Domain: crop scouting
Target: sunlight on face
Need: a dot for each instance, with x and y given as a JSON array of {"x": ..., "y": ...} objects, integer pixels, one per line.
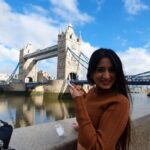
[{"x": 104, "y": 75}]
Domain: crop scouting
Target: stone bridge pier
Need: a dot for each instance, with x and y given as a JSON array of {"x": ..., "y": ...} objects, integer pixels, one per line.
[{"x": 27, "y": 68}]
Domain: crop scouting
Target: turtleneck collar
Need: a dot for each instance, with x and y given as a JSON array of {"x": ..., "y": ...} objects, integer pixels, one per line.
[{"x": 102, "y": 92}]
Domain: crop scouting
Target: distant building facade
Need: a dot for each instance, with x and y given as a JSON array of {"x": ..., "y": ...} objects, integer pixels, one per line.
[
  {"x": 4, "y": 77},
  {"x": 43, "y": 76}
]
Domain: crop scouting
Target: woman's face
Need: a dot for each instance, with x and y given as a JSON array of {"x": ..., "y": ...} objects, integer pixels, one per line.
[{"x": 104, "y": 75}]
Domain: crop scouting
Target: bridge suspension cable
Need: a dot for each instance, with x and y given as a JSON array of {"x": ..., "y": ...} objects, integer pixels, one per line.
[
  {"x": 79, "y": 59},
  {"x": 140, "y": 76},
  {"x": 87, "y": 59},
  {"x": 147, "y": 72},
  {"x": 13, "y": 73}
]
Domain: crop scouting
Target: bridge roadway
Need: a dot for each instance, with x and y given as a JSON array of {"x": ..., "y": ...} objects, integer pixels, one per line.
[
  {"x": 81, "y": 82},
  {"x": 136, "y": 82},
  {"x": 34, "y": 84},
  {"x": 145, "y": 76},
  {"x": 48, "y": 52}
]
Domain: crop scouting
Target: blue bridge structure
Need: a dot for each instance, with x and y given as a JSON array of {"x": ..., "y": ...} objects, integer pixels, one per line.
[{"x": 137, "y": 79}]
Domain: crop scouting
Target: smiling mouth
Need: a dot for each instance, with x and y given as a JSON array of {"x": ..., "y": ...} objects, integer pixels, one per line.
[{"x": 106, "y": 82}]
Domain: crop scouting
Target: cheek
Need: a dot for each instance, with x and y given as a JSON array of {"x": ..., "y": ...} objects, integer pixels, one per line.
[
  {"x": 114, "y": 77},
  {"x": 96, "y": 76}
]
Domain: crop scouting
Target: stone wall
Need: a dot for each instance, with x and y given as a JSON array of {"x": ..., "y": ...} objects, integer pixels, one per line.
[
  {"x": 15, "y": 87},
  {"x": 45, "y": 137},
  {"x": 57, "y": 86},
  {"x": 141, "y": 134},
  {"x": 54, "y": 86}
]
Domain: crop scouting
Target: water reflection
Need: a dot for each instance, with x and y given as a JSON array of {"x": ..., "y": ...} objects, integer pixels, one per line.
[
  {"x": 29, "y": 110},
  {"x": 21, "y": 110}
]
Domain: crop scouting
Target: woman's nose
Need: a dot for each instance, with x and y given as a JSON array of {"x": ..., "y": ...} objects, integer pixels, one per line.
[{"x": 106, "y": 74}]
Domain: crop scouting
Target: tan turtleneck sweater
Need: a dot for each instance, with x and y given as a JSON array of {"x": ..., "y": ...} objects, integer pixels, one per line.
[{"x": 102, "y": 117}]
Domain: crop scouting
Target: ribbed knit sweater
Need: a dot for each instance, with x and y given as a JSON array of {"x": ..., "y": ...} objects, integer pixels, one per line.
[{"x": 102, "y": 118}]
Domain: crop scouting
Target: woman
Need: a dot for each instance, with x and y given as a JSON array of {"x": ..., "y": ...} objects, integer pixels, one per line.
[{"x": 103, "y": 113}]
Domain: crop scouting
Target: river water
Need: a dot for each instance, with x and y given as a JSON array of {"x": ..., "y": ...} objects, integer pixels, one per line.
[{"x": 21, "y": 110}]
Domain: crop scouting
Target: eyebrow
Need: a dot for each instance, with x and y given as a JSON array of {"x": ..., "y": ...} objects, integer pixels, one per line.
[
  {"x": 104, "y": 67},
  {"x": 109, "y": 68}
]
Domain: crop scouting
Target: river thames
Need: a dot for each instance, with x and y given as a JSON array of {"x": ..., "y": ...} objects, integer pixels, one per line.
[{"x": 23, "y": 110}]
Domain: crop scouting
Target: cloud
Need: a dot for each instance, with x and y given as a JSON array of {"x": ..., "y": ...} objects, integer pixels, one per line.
[
  {"x": 37, "y": 9},
  {"x": 87, "y": 48},
  {"x": 8, "y": 59},
  {"x": 36, "y": 26},
  {"x": 134, "y": 6},
  {"x": 99, "y": 4},
  {"x": 123, "y": 42},
  {"x": 147, "y": 45},
  {"x": 135, "y": 60},
  {"x": 7, "y": 68},
  {"x": 18, "y": 29},
  {"x": 6, "y": 54},
  {"x": 33, "y": 25},
  {"x": 69, "y": 12}
]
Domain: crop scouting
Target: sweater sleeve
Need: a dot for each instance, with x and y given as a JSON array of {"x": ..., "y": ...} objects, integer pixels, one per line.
[{"x": 111, "y": 125}]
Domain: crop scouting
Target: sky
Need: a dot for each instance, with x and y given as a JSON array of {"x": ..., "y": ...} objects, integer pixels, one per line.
[{"x": 122, "y": 25}]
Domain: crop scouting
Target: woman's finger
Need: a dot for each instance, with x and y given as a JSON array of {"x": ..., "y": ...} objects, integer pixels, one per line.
[
  {"x": 75, "y": 92},
  {"x": 75, "y": 126}
]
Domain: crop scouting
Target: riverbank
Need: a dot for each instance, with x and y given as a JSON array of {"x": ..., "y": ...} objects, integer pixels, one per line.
[
  {"x": 52, "y": 86},
  {"x": 45, "y": 137}
]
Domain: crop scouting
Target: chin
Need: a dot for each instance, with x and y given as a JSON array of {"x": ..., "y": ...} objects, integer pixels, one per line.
[{"x": 105, "y": 87}]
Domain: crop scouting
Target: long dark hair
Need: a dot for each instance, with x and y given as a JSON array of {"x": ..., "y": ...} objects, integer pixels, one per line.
[{"x": 120, "y": 86}]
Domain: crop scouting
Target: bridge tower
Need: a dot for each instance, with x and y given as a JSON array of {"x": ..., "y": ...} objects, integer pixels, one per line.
[
  {"x": 27, "y": 68},
  {"x": 68, "y": 66}
]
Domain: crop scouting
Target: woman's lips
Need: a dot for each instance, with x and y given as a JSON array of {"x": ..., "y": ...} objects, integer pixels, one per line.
[{"x": 105, "y": 82}]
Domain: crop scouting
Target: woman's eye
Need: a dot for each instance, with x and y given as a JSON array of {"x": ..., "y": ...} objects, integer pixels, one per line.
[
  {"x": 111, "y": 70},
  {"x": 100, "y": 69}
]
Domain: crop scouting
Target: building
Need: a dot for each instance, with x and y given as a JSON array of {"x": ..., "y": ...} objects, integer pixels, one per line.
[
  {"x": 43, "y": 76},
  {"x": 3, "y": 77}
]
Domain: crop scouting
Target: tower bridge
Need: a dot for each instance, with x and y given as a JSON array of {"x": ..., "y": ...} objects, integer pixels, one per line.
[
  {"x": 70, "y": 58},
  {"x": 67, "y": 67}
]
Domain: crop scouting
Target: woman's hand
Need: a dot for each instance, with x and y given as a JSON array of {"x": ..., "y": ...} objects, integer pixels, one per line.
[
  {"x": 75, "y": 126},
  {"x": 76, "y": 90}
]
